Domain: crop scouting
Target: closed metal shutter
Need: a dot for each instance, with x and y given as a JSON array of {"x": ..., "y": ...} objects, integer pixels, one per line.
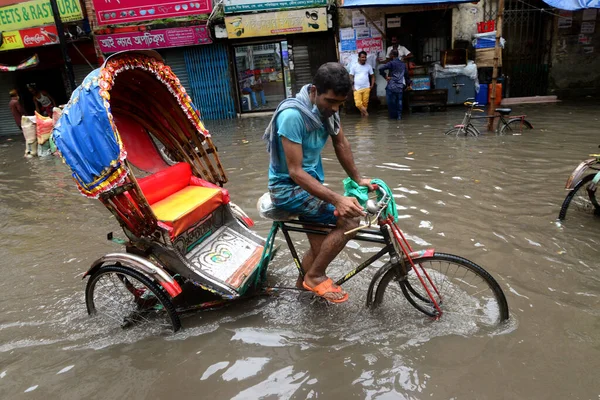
[
  {"x": 210, "y": 81},
  {"x": 302, "y": 72},
  {"x": 175, "y": 59},
  {"x": 80, "y": 72},
  {"x": 7, "y": 122}
]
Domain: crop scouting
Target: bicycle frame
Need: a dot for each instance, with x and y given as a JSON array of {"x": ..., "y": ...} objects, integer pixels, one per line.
[{"x": 389, "y": 234}]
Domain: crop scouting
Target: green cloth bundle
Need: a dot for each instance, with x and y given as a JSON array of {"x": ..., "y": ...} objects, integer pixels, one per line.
[{"x": 361, "y": 193}]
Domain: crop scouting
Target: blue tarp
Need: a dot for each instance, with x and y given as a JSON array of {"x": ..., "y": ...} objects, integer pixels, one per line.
[
  {"x": 573, "y": 4},
  {"x": 85, "y": 137},
  {"x": 383, "y": 3}
]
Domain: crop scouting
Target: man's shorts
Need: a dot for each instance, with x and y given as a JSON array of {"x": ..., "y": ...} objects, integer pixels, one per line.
[
  {"x": 309, "y": 208},
  {"x": 361, "y": 97}
]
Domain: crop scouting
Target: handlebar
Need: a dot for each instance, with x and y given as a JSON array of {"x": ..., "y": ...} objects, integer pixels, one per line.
[{"x": 373, "y": 207}]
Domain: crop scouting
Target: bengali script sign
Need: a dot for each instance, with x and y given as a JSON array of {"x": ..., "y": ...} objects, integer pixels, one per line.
[
  {"x": 33, "y": 37},
  {"x": 232, "y": 6},
  {"x": 277, "y": 23},
  {"x": 155, "y": 39},
  {"x": 37, "y": 13},
  {"x": 369, "y": 45},
  {"x": 122, "y": 11}
]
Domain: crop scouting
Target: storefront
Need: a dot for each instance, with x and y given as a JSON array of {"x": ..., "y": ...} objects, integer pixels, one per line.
[
  {"x": 424, "y": 29},
  {"x": 276, "y": 53},
  {"x": 28, "y": 35}
]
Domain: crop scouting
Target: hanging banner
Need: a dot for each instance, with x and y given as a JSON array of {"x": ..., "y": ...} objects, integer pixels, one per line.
[
  {"x": 31, "y": 62},
  {"x": 123, "y": 11},
  {"x": 37, "y": 13},
  {"x": 233, "y": 6},
  {"x": 277, "y": 23},
  {"x": 33, "y": 37},
  {"x": 155, "y": 39}
]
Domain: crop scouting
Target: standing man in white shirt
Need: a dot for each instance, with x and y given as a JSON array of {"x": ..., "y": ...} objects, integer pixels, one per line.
[
  {"x": 363, "y": 79},
  {"x": 403, "y": 52}
]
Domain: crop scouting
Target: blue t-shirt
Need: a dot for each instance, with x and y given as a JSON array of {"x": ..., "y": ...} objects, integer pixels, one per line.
[{"x": 289, "y": 123}]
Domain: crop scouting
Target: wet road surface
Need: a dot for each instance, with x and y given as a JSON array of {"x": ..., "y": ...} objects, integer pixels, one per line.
[{"x": 492, "y": 199}]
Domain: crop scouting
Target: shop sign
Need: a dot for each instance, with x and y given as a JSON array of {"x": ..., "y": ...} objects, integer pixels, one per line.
[
  {"x": 232, "y": 6},
  {"x": 155, "y": 39},
  {"x": 37, "y": 13},
  {"x": 369, "y": 45},
  {"x": 33, "y": 37},
  {"x": 277, "y": 23},
  {"x": 125, "y": 11}
]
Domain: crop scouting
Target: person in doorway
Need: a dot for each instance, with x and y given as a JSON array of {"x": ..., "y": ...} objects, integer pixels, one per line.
[
  {"x": 363, "y": 80},
  {"x": 403, "y": 52},
  {"x": 44, "y": 103},
  {"x": 397, "y": 79},
  {"x": 16, "y": 108},
  {"x": 295, "y": 137},
  {"x": 257, "y": 87}
]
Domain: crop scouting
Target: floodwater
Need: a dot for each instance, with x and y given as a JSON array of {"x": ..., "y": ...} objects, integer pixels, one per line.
[{"x": 492, "y": 199}]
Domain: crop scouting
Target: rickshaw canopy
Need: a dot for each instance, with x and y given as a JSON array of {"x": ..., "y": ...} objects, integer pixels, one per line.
[{"x": 88, "y": 136}]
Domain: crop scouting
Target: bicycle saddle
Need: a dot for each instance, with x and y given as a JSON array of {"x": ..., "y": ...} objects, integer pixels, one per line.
[
  {"x": 503, "y": 111},
  {"x": 267, "y": 210}
]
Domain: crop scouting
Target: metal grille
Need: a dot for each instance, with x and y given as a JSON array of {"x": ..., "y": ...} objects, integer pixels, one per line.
[
  {"x": 210, "y": 83},
  {"x": 431, "y": 48},
  {"x": 526, "y": 56},
  {"x": 490, "y": 9}
]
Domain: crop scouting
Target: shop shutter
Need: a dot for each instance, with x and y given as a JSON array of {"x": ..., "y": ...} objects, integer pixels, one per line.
[
  {"x": 175, "y": 59},
  {"x": 302, "y": 71},
  {"x": 7, "y": 123},
  {"x": 81, "y": 71},
  {"x": 210, "y": 81}
]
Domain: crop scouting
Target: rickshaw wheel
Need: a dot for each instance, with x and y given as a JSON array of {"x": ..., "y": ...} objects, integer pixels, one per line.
[{"x": 127, "y": 298}]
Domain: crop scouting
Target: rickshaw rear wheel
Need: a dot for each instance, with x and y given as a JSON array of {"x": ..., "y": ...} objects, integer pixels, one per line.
[{"x": 128, "y": 298}]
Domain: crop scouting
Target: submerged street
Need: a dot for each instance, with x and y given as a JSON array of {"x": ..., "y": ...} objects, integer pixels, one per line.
[{"x": 492, "y": 199}]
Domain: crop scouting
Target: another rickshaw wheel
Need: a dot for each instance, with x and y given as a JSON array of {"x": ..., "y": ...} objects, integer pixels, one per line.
[{"x": 127, "y": 298}]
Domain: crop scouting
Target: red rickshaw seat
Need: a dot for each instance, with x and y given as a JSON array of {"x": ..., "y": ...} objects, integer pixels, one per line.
[{"x": 179, "y": 199}]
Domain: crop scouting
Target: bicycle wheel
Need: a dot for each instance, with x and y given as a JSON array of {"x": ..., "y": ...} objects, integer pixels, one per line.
[
  {"x": 469, "y": 130},
  {"x": 516, "y": 125},
  {"x": 580, "y": 199},
  {"x": 127, "y": 298},
  {"x": 467, "y": 293}
]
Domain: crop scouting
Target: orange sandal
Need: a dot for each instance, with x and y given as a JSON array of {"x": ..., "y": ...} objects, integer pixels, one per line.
[{"x": 325, "y": 287}]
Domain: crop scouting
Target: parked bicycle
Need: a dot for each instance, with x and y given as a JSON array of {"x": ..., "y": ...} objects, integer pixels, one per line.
[
  {"x": 582, "y": 186},
  {"x": 507, "y": 125}
]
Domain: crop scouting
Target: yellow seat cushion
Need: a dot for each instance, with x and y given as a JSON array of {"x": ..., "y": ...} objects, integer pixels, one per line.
[{"x": 184, "y": 208}]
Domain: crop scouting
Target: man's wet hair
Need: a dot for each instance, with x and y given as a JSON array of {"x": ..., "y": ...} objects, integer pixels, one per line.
[
  {"x": 362, "y": 52},
  {"x": 332, "y": 76},
  {"x": 394, "y": 53}
]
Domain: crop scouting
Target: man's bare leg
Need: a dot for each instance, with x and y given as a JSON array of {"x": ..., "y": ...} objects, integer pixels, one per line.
[
  {"x": 315, "y": 242},
  {"x": 331, "y": 246}
]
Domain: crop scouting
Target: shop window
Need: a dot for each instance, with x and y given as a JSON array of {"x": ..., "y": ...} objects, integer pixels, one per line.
[{"x": 260, "y": 75}]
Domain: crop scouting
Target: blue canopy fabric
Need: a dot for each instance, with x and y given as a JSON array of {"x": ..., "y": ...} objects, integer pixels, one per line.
[
  {"x": 383, "y": 3},
  {"x": 573, "y": 5},
  {"x": 87, "y": 139}
]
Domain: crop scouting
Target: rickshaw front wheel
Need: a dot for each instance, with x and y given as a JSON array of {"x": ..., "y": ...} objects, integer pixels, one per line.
[{"x": 123, "y": 296}]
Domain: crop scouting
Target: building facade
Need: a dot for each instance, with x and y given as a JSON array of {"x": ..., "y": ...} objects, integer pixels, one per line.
[{"x": 29, "y": 33}]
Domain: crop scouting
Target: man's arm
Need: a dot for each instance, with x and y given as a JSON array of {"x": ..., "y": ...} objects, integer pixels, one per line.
[
  {"x": 347, "y": 207},
  {"x": 343, "y": 152},
  {"x": 372, "y": 78},
  {"x": 383, "y": 68}
]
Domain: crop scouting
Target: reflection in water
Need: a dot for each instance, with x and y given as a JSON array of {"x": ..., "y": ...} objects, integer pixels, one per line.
[{"x": 490, "y": 199}]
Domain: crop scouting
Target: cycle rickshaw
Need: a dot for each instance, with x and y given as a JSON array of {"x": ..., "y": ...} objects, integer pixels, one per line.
[{"x": 133, "y": 139}]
